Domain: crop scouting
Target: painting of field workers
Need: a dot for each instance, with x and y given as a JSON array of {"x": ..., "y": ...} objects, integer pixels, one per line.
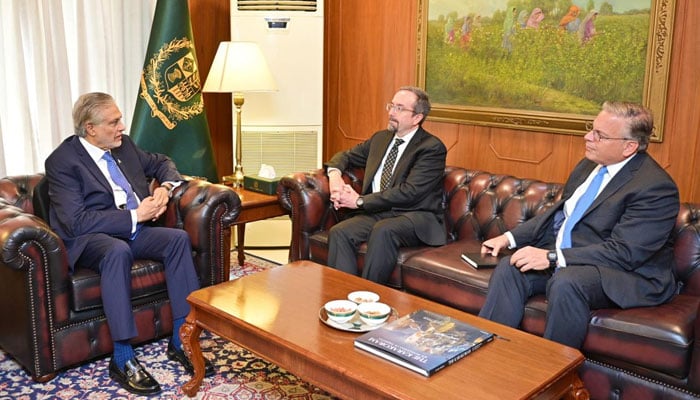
[{"x": 537, "y": 55}]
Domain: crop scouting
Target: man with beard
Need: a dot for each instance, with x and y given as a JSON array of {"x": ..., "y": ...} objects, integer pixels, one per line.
[{"x": 400, "y": 203}]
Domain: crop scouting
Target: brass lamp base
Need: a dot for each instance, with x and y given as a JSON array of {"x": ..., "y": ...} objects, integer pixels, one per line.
[{"x": 235, "y": 180}]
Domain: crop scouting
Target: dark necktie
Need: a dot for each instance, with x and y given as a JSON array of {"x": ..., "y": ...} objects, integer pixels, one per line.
[
  {"x": 581, "y": 206},
  {"x": 118, "y": 177},
  {"x": 389, "y": 164}
]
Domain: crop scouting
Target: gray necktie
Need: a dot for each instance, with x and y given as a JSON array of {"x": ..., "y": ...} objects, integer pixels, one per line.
[{"x": 389, "y": 164}]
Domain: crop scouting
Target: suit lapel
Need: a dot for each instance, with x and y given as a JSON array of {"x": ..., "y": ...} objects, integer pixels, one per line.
[
  {"x": 618, "y": 181},
  {"x": 578, "y": 177},
  {"x": 89, "y": 164},
  {"x": 405, "y": 160}
]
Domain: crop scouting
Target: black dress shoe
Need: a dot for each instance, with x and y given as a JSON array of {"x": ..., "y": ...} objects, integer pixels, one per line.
[
  {"x": 134, "y": 378},
  {"x": 180, "y": 356}
]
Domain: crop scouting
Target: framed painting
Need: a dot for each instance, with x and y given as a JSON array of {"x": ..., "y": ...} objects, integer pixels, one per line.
[{"x": 543, "y": 65}]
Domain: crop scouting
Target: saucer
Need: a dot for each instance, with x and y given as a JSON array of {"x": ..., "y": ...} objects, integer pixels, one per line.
[{"x": 355, "y": 324}]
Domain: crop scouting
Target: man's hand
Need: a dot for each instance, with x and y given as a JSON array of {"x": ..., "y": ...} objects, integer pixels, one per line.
[
  {"x": 151, "y": 208},
  {"x": 161, "y": 195},
  {"x": 347, "y": 198},
  {"x": 336, "y": 186},
  {"x": 494, "y": 245},
  {"x": 530, "y": 258}
]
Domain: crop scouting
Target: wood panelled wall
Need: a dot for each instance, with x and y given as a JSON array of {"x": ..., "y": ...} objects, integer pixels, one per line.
[
  {"x": 371, "y": 51},
  {"x": 211, "y": 24}
]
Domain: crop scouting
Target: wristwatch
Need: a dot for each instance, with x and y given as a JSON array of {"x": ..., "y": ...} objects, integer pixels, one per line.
[
  {"x": 360, "y": 202},
  {"x": 552, "y": 257}
]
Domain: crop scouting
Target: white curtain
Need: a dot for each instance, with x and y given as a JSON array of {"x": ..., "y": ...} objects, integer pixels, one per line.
[{"x": 52, "y": 52}]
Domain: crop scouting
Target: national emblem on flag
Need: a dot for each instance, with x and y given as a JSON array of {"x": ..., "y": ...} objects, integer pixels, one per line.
[{"x": 169, "y": 117}]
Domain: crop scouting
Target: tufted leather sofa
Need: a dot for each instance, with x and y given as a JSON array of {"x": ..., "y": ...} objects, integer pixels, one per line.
[
  {"x": 52, "y": 319},
  {"x": 639, "y": 353}
]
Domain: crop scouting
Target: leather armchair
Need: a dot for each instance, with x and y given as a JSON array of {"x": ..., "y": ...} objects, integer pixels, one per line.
[{"x": 51, "y": 319}]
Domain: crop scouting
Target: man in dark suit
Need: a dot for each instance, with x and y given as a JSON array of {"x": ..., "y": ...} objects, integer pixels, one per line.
[
  {"x": 401, "y": 200},
  {"x": 612, "y": 250},
  {"x": 100, "y": 206}
]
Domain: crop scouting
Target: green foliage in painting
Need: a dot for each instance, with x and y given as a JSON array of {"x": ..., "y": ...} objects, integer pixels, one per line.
[{"x": 539, "y": 69}]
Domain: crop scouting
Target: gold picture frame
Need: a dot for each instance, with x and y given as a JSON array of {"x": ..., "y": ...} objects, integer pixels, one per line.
[{"x": 655, "y": 65}]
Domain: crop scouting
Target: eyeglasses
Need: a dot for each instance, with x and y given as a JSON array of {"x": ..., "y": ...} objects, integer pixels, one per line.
[
  {"x": 598, "y": 136},
  {"x": 397, "y": 108}
]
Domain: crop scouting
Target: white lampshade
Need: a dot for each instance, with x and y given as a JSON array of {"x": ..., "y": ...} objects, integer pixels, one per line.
[{"x": 239, "y": 67}]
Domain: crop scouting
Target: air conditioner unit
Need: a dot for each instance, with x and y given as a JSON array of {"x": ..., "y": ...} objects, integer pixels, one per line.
[
  {"x": 290, "y": 34},
  {"x": 283, "y": 128}
]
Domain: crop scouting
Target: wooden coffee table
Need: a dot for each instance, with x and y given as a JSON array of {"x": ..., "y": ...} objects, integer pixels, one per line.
[{"x": 275, "y": 314}]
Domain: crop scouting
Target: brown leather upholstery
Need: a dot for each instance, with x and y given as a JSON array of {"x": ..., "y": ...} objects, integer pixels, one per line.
[
  {"x": 52, "y": 319},
  {"x": 636, "y": 353}
]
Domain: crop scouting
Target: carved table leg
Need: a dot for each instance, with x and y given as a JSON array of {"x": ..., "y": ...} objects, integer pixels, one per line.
[
  {"x": 578, "y": 391},
  {"x": 189, "y": 333}
]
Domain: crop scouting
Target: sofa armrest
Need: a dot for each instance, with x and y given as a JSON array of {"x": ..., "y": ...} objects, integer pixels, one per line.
[
  {"x": 33, "y": 283},
  {"x": 206, "y": 211},
  {"x": 307, "y": 198}
]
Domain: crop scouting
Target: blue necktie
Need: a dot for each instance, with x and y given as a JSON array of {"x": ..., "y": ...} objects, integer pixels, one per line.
[
  {"x": 118, "y": 177},
  {"x": 581, "y": 206}
]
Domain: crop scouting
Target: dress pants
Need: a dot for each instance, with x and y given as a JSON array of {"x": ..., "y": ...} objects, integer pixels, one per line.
[
  {"x": 384, "y": 233},
  {"x": 571, "y": 292},
  {"x": 112, "y": 258}
]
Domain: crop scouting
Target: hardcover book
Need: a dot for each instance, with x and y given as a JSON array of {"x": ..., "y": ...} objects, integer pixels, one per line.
[
  {"x": 477, "y": 261},
  {"x": 423, "y": 341}
]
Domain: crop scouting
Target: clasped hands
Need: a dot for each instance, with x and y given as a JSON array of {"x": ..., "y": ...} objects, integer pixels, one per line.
[
  {"x": 525, "y": 259},
  {"x": 342, "y": 194},
  {"x": 152, "y": 207}
]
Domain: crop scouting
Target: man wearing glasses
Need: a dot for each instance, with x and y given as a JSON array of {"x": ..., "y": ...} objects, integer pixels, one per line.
[
  {"x": 400, "y": 203},
  {"x": 606, "y": 244}
]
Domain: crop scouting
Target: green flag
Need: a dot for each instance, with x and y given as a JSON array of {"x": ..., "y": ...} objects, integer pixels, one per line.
[{"x": 169, "y": 116}]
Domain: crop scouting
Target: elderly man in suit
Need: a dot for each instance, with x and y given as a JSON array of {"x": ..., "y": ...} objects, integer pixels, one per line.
[
  {"x": 401, "y": 199},
  {"x": 606, "y": 244},
  {"x": 100, "y": 206}
]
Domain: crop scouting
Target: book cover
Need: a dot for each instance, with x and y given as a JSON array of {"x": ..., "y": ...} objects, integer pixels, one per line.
[
  {"x": 477, "y": 261},
  {"x": 423, "y": 341}
]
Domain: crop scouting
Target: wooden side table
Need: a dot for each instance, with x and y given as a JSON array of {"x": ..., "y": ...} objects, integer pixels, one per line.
[{"x": 254, "y": 207}]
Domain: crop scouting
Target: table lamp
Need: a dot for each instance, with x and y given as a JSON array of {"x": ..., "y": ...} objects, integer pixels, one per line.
[{"x": 239, "y": 67}]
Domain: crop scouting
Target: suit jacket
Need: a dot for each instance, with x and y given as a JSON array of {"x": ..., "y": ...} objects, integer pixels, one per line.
[
  {"x": 626, "y": 233},
  {"x": 416, "y": 187},
  {"x": 82, "y": 201}
]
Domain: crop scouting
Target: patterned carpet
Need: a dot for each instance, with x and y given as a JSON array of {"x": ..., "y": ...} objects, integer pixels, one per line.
[{"x": 240, "y": 374}]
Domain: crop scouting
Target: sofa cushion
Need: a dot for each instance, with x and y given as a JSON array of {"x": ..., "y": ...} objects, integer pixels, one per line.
[
  {"x": 147, "y": 279},
  {"x": 439, "y": 274},
  {"x": 640, "y": 339},
  {"x": 654, "y": 338}
]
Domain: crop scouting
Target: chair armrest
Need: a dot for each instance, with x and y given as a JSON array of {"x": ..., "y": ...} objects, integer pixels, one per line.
[
  {"x": 33, "y": 283},
  {"x": 206, "y": 211}
]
